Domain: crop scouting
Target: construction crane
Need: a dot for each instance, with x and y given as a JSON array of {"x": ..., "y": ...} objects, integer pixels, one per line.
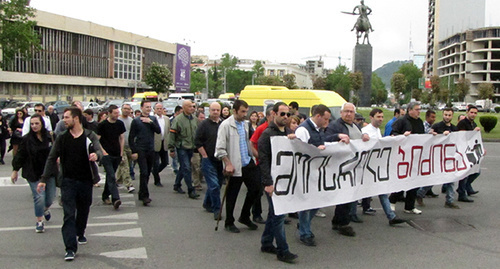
[{"x": 340, "y": 59}]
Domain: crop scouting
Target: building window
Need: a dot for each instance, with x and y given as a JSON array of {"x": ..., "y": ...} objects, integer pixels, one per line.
[{"x": 127, "y": 62}]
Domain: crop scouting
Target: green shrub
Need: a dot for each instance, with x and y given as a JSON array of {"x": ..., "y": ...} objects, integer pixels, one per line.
[
  {"x": 497, "y": 109},
  {"x": 488, "y": 122}
]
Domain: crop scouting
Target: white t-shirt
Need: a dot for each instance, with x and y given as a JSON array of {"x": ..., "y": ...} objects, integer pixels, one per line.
[{"x": 372, "y": 131}]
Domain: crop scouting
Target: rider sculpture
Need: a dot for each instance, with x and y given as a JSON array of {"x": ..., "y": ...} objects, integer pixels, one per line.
[{"x": 363, "y": 24}]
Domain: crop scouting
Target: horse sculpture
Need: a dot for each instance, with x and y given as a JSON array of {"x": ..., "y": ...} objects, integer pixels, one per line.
[{"x": 362, "y": 26}]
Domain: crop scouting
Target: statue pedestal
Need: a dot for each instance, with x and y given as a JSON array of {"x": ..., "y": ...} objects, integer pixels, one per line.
[{"x": 362, "y": 62}]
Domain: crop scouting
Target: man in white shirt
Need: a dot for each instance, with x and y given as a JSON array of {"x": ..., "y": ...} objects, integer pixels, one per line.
[
  {"x": 40, "y": 110},
  {"x": 373, "y": 130}
]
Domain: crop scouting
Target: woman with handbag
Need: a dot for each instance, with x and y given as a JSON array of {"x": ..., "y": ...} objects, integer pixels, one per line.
[
  {"x": 16, "y": 130},
  {"x": 4, "y": 134},
  {"x": 31, "y": 156}
]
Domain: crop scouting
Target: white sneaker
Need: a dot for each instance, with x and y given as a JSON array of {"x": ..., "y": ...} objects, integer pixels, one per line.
[
  {"x": 414, "y": 211},
  {"x": 131, "y": 189},
  {"x": 320, "y": 214},
  {"x": 393, "y": 207}
]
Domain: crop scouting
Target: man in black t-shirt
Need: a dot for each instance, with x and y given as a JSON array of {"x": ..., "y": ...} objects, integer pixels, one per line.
[
  {"x": 464, "y": 185},
  {"x": 446, "y": 127},
  {"x": 111, "y": 135}
]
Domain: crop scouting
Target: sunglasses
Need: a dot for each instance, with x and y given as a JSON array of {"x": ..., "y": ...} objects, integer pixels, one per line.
[
  {"x": 282, "y": 114},
  {"x": 38, "y": 110}
]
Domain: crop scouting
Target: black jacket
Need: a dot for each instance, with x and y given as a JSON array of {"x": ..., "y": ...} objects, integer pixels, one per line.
[
  {"x": 407, "y": 123},
  {"x": 335, "y": 128},
  {"x": 31, "y": 157},
  {"x": 265, "y": 152}
]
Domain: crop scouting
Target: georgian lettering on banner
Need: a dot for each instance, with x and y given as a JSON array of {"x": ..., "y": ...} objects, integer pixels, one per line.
[{"x": 306, "y": 177}]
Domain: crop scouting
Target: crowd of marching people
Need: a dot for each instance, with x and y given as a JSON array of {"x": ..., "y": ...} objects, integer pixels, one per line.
[{"x": 229, "y": 146}]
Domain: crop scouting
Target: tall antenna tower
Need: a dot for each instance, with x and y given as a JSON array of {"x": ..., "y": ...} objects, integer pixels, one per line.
[{"x": 411, "y": 51}]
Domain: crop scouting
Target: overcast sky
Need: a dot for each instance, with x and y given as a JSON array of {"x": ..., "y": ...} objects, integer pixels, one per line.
[{"x": 275, "y": 30}]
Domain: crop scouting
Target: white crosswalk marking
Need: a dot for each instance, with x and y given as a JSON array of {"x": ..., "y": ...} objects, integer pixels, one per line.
[
  {"x": 136, "y": 232},
  {"x": 134, "y": 253}
]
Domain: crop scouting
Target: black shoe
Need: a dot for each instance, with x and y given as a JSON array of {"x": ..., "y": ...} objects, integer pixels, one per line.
[
  {"x": 146, "y": 201},
  {"x": 117, "y": 204},
  {"x": 179, "y": 190},
  {"x": 431, "y": 195},
  {"x": 293, "y": 215},
  {"x": 259, "y": 220},
  {"x": 288, "y": 221},
  {"x": 288, "y": 257},
  {"x": 249, "y": 223},
  {"x": 308, "y": 241},
  {"x": 396, "y": 220},
  {"x": 472, "y": 192},
  {"x": 2, "y": 162},
  {"x": 270, "y": 249},
  {"x": 354, "y": 218},
  {"x": 312, "y": 235},
  {"x": 465, "y": 200},
  {"x": 344, "y": 230},
  {"x": 231, "y": 228},
  {"x": 193, "y": 195},
  {"x": 70, "y": 255},
  {"x": 159, "y": 184},
  {"x": 82, "y": 240}
]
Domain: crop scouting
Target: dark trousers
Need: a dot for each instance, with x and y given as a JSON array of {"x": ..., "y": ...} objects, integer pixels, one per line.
[
  {"x": 3, "y": 147},
  {"x": 257, "y": 205},
  {"x": 411, "y": 195},
  {"x": 274, "y": 230},
  {"x": 465, "y": 187},
  {"x": 341, "y": 216},
  {"x": 161, "y": 161},
  {"x": 252, "y": 182},
  {"x": 145, "y": 160},
  {"x": 110, "y": 164},
  {"x": 76, "y": 198}
]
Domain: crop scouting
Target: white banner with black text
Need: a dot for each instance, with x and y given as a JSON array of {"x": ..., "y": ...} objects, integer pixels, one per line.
[{"x": 306, "y": 177}]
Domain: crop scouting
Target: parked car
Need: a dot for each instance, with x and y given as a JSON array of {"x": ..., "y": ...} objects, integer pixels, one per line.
[
  {"x": 59, "y": 106},
  {"x": 170, "y": 105},
  {"x": 137, "y": 106},
  {"x": 96, "y": 108},
  {"x": 10, "y": 110},
  {"x": 116, "y": 102}
]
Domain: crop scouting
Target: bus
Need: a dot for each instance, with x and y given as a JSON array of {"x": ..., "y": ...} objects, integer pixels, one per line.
[
  {"x": 149, "y": 96},
  {"x": 259, "y": 97}
]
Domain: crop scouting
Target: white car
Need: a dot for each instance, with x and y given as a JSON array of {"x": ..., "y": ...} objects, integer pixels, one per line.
[
  {"x": 96, "y": 108},
  {"x": 10, "y": 110}
]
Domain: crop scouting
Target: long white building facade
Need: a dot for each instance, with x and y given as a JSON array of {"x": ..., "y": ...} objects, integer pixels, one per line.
[{"x": 82, "y": 60}]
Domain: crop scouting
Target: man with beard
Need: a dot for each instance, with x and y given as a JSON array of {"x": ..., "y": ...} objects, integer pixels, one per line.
[{"x": 77, "y": 148}]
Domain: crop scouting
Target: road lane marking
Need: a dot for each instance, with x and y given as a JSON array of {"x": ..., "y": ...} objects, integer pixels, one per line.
[{"x": 8, "y": 229}]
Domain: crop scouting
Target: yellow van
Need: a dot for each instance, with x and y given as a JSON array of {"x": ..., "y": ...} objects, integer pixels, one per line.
[
  {"x": 227, "y": 96},
  {"x": 259, "y": 96},
  {"x": 150, "y": 96}
]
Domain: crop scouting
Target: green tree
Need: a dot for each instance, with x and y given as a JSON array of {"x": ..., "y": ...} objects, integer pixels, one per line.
[
  {"x": 398, "y": 85},
  {"x": 159, "y": 77},
  {"x": 289, "y": 80},
  {"x": 17, "y": 33},
  {"x": 258, "y": 69},
  {"x": 356, "y": 84},
  {"x": 412, "y": 73},
  {"x": 228, "y": 62},
  {"x": 435, "y": 90},
  {"x": 269, "y": 80},
  {"x": 339, "y": 81},
  {"x": 417, "y": 94},
  {"x": 319, "y": 83},
  {"x": 379, "y": 92},
  {"x": 237, "y": 80},
  {"x": 463, "y": 88},
  {"x": 198, "y": 80},
  {"x": 485, "y": 91}
]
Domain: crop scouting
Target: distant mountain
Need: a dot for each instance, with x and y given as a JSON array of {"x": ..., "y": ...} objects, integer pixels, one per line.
[{"x": 385, "y": 72}]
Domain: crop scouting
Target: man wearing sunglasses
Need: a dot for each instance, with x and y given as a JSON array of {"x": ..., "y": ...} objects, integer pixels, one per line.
[{"x": 40, "y": 110}]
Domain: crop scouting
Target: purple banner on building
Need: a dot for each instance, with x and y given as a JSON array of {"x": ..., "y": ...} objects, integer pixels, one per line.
[{"x": 183, "y": 68}]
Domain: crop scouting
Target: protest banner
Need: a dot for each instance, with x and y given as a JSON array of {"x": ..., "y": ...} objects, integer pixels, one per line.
[{"x": 306, "y": 177}]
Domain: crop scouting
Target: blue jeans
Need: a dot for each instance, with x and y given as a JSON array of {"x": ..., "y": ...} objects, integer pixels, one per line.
[
  {"x": 275, "y": 229},
  {"x": 110, "y": 164},
  {"x": 175, "y": 164},
  {"x": 450, "y": 193},
  {"x": 44, "y": 199},
  {"x": 305, "y": 218},
  {"x": 213, "y": 175},
  {"x": 184, "y": 156},
  {"x": 386, "y": 206},
  {"x": 422, "y": 191},
  {"x": 76, "y": 196},
  {"x": 465, "y": 187}
]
